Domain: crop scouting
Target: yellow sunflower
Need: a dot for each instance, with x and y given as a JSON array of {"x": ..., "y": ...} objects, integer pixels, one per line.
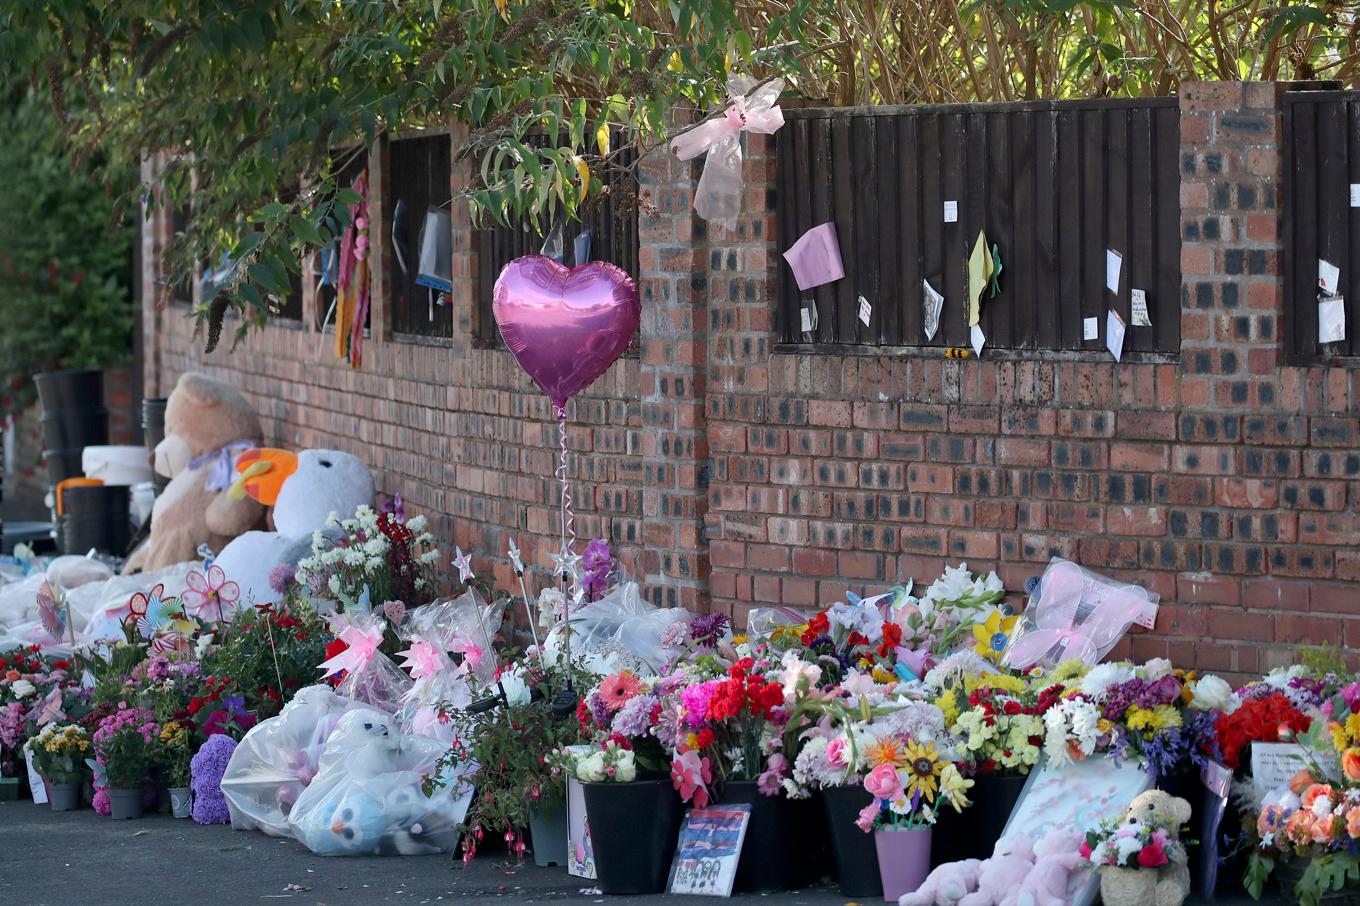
[
  {"x": 992, "y": 635},
  {"x": 923, "y": 767},
  {"x": 887, "y": 750}
]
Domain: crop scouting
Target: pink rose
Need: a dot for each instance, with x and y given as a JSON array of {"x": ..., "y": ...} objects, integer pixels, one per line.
[
  {"x": 1152, "y": 856},
  {"x": 883, "y": 782},
  {"x": 836, "y": 751},
  {"x": 1085, "y": 850},
  {"x": 865, "y": 821}
]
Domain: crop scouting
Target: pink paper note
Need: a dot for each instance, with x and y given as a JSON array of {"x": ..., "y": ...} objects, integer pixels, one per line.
[{"x": 816, "y": 257}]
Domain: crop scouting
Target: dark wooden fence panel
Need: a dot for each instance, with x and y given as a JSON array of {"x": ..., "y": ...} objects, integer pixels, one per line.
[
  {"x": 419, "y": 174},
  {"x": 1053, "y": 185},
  {"x": 612, "y": 220},
  {"x": 1322, "y": 163}
]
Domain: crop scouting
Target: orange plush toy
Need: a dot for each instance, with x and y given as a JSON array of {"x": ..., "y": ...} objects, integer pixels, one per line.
[{"x": 208, "y": 425}]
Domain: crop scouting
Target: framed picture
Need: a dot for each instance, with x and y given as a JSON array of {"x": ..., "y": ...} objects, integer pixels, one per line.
[
  {"x": 1075, "y": 797},
  {"x": 708, "y": 850},
  {"x": 580, "y": 855}
]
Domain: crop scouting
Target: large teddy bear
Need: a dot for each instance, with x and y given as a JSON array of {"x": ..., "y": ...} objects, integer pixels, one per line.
[
  {"x": 974, "y": 883},
  {"x": 207, "y": 425}
]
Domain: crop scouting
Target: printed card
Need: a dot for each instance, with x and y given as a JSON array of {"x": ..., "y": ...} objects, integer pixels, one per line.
[{"x": 709, "y": 849}]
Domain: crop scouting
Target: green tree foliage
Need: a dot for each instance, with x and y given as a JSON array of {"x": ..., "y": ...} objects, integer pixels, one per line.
[
  {"x": 243, "y": 103},
  {"x": 65, "y": 254}
]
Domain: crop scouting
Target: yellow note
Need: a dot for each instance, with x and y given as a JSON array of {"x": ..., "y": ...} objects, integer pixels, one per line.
[{"x": 979, "y": 272}]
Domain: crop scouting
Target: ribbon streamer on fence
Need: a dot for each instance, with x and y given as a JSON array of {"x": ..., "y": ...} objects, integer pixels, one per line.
[{"x": 568, "y": 518}]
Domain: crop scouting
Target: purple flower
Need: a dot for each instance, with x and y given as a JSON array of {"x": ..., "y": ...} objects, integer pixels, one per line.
[
  {"x": 281, "y": 577},
  {"x": 707, "y": 629},
  {"x": 1351, "y": 694},
  {"x": 695, "y": 700},
  {"x": 597, "y": 564},
  {"x": 599, "y": 712},
  {"x": 768, "y": 783},
  {"x": 635, "y": 717}
]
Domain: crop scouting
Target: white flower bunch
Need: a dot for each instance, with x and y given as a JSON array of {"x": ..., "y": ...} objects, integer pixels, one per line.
[{"x": 1071, "y": 729}]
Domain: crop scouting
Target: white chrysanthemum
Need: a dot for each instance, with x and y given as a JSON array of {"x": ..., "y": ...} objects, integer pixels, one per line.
[
  {"x": 1155, "y": 669},
  {"x": 417, "y": 524},
  {"x": 1097, "y": 682},
  {"x": 956, "y": 666}
]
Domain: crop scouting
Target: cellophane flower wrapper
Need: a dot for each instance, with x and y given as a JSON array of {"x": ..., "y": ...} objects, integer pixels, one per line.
[
  {"x": 454, "y": 623},
  {"x": 1076, "y": 613},
  {"x": 279, "y": 757},
  {"x": 368, "y": 797},
  {"x": 378, "y": 682},
  {"x": 619, "y": 631}
]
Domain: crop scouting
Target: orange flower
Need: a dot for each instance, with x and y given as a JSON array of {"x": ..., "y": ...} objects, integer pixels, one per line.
[
  {"x": 1350, "y": 763},
  {"x": 885, "y": 751},
  {"x": 1299, "y": 827},
  {"x": 1353, "y": 823},
  {"x": 12, "y": 675},
  {"x": 1301, "y": 781},
  {"x": 1316, "y": 792},
  {"x": 1323, "y": 830}
]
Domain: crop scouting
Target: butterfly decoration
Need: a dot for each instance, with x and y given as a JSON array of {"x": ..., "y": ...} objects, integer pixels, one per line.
[
  {"x": 101, "y": 774},
  {"x": 51, "y": 612},
  {"x": 362, "y": 604},
  {"x": 158, "y": 616}
]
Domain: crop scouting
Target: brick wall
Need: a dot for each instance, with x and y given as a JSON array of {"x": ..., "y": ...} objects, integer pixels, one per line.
[{"x": 733, "y": 475}]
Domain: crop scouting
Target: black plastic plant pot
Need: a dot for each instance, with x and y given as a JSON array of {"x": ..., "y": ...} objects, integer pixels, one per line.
[
  {"x": 96, "y": 517},
  {"x": 633, "y": 829},
  {"x": 75, "y": 388},
  {"x": 62, "y": 463},
  {"x": 853, "y": 850},
  {"x": 972, "y": 833},
  {"x": 782, "y": 849}
]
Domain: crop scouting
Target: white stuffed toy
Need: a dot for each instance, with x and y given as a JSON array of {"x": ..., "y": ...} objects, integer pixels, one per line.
[{"x": 304, "y": 489}]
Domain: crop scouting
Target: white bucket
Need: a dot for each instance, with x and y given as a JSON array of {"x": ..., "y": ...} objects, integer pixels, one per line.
[{"x": 117, "y": 465}]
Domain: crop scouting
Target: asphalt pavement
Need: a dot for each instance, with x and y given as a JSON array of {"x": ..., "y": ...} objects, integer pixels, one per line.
[{"x": 76, "y": 858}]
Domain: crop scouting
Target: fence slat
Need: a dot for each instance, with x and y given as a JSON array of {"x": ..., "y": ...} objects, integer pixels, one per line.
[
  {"x": 1353, "y": 178},
  {"x": 909, "y": 210},
  {"x": 1070, "y": 255},
  {"x": 932, "y": 225},
  {"x": 890, "y": 295},
  {"x": 1047, "y": 303},
  {"x": 821, "y": 174},
  {"x": 1334, "y": 205},
  {"x": 1305, "y": 239},
  {"x": 957, "y": 242},
  {"x": 1142, "y": 249},
  {"x": 843, "y": 203},
  {"x": 1164, "y": 302}
]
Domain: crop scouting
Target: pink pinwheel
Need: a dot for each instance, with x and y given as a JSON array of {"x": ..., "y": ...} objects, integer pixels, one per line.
[
  {"x": 362, "y": 641},
  {"x": 210, "y": 590},
  {"x": 691, "y": 773},
  {"x": 425, "y": 659},
  {"x": 51, "y": 709}
]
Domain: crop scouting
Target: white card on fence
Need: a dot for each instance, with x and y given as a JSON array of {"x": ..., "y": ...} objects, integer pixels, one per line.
[
  {"x": 1139, "y": 309},
  {"x": 1274, "y": 764},
  {"x": 1114, "y": 334},
  {"x": 1114, "y": 263},
  {"x": 1355, "y": 194},
  {"x": 708, "y": 850},
  {"x": 809, "y": 317},
  {"x": 977, "y": 338},
  {"x": 951, "y": 212},
  {"x": 1329, "y": 277},
  {"x": 1332, "y": 320},
  {"x": 866, "y": 311},
  {"x": 1090, "y": 328},
  {"x": 933, "y": 304}
]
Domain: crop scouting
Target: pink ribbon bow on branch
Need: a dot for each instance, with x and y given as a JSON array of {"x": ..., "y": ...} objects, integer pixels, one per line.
[
  {"x": 425, "y": 659},
  {"x": 718, "y": 197},
  {"x": 362, "y": 643}
]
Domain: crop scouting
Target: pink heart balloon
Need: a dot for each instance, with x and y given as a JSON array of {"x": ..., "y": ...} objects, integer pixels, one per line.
[{"x": 565, "y": 326}]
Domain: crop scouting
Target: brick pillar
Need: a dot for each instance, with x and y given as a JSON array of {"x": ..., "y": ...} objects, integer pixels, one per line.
[
  {"x": 673, "y": 379},
  {"x": 1232, "y": 287},
  {"x": 466, "y": 322}
]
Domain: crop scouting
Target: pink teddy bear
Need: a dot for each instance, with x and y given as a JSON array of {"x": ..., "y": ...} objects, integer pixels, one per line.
[
  {"x": 1000, "y": 875},
  {"x": 946, "y": 885},
  {"x": 1055, "y": 859}
]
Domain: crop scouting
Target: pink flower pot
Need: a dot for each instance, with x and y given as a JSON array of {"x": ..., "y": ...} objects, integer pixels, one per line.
[{"x": 903, "y": 860}]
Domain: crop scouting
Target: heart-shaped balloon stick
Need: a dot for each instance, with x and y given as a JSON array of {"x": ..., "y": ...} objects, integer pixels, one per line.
[{"x": 565, "y": 326}]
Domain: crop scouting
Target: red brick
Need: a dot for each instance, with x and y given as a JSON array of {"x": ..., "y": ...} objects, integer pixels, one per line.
[
  {"x": 1138, "y": 457},
  {"x": 1206, "y": 588}
]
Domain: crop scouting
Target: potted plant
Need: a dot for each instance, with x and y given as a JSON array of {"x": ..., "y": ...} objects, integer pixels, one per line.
[
  {"x": 11, "y": 740},
  {"x": 909, "y": 782},
  {"x": 172, "y": 751},
  {"x": 59, "y": 756},
  {"x": 1134, "y": 857},
  {"x": 631, "y": 806},
  {"x": 123, "y": 744}
]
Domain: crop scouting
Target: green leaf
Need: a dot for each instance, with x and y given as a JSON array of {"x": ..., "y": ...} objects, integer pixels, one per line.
[{"x": 306, "y": 231}]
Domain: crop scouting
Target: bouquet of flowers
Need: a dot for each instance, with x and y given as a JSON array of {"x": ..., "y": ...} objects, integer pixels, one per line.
[
  {"x": 373, "y": 551},
  {"x": 263, "y": 654},
  {"x": 623, "y": 711},
  {"x": 173, "y": 749},
  {"x": 729, "y": 728},
  {"x": 1118, "y": 843},
  {"x": 955, "y": 606},
  {"x": 1000, "y": 723},
  {"x": 59, "y": 752},
  {"x": 910, "y": 782},
  {"x": 123, "y": 746},
  {"x": 1269, "y": 718},
  {"x": 1146, "y": 709}
]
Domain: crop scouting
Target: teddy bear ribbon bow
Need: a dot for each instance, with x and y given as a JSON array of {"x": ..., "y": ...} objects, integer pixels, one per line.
[
  {"x": 361, "y": 644},
  {"x": 220, "y": 463},
  {"x": 718, "y": 196}
]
